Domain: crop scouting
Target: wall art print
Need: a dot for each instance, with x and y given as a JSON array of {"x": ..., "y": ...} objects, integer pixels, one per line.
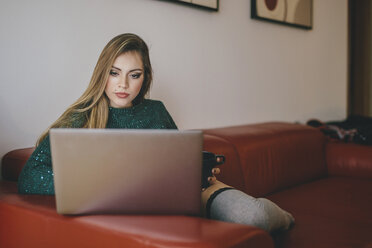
[
  {"x": 297, "y": 13},
  {"x": 205, "y": 4}
]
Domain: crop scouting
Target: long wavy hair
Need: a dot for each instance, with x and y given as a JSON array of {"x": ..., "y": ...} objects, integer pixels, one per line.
[{"x": 93, "y": 106}]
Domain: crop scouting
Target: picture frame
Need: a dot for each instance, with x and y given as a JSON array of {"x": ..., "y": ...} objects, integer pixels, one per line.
[
  {"x": 212, "y": 5},
  {"x": 296, "y": 13}
]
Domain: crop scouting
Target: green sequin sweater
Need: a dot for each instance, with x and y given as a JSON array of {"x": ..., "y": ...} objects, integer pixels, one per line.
[{"x": 37, "y": 175}]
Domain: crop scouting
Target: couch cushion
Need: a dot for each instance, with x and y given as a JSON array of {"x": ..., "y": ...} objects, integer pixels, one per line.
[
  {"x": 32, "y": 221},
  {"x": 331, "y": 212},
  {"x": 276, "y": 155}
]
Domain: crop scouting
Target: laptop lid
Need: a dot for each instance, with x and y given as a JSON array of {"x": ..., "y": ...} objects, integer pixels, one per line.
[{"x": 121, "y": 171}]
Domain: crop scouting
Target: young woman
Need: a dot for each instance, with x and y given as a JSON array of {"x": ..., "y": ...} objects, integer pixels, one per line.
[{"x": 115, "y": 98}]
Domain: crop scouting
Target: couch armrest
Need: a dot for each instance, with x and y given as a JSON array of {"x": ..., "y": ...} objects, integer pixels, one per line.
[
  {"x": 12, "y": 163},
  {"x": 348, "y": 159}
]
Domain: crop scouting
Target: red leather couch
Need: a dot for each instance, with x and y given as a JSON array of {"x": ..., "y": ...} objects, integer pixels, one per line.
[{"x": 327, "y": 186}]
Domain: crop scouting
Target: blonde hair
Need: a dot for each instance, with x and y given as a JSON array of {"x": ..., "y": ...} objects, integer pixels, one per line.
[{"x": 93, "y": 106}]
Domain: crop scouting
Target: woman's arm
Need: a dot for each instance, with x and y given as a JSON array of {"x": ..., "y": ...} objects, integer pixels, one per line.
[{"x": 37, "y": 175}]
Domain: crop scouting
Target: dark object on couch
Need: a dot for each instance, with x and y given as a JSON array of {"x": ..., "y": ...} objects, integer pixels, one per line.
[{"x": 355, "y": 128}]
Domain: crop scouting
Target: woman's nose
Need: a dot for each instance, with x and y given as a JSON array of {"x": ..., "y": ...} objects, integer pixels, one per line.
[{"x": 124, "y": 83}]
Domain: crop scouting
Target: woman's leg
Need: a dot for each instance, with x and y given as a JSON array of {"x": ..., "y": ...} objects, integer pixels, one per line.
[{"x": 231, "y": 205}]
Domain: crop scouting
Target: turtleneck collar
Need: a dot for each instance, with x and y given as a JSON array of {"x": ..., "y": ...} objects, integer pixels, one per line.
[{"x": 130, "y": 110}]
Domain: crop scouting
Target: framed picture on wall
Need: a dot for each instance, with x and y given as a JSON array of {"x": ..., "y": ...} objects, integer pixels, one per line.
[
  {"x": 297, "y": 13},
  {"x": 205, "y": 4}
]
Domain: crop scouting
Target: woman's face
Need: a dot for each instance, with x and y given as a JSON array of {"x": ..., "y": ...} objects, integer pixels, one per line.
[{"x": 125, "y": 80}]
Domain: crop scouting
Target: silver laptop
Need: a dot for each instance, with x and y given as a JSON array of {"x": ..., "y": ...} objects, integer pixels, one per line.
[{"x": 119, "y": 171}]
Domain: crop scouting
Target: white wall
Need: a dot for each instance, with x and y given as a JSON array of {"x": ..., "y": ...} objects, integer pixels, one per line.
[{"x": 211, "y": 68}]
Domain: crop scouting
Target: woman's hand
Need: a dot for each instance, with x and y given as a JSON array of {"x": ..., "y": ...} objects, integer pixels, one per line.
[
  {"x": 209, "y": 160},
  {"x": 215, "y": 171},
  {"x": 213, "y": 179}
]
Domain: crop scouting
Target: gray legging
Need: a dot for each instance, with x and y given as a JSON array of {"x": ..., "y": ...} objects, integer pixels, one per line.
[{"x": 232, "y": 205}]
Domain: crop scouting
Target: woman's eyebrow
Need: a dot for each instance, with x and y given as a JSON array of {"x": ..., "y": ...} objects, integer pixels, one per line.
[
  {"x": 116, "y": 68},
  {"x": 139, "y": 69}
]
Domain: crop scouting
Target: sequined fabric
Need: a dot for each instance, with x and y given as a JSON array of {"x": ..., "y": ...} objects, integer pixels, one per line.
[{"x": 37, "y": 175}]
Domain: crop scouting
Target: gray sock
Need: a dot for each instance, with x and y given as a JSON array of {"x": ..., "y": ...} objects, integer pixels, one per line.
[{"x": 237, "y": 207}]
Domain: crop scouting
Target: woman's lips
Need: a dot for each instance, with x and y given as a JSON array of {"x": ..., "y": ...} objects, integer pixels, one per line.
[{"x": 122, "y": 95}]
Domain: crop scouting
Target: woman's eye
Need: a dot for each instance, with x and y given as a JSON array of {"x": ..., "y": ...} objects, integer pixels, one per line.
[
  {"x": 136, "y": 75},
  {"x": 114, "y": 73}
]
